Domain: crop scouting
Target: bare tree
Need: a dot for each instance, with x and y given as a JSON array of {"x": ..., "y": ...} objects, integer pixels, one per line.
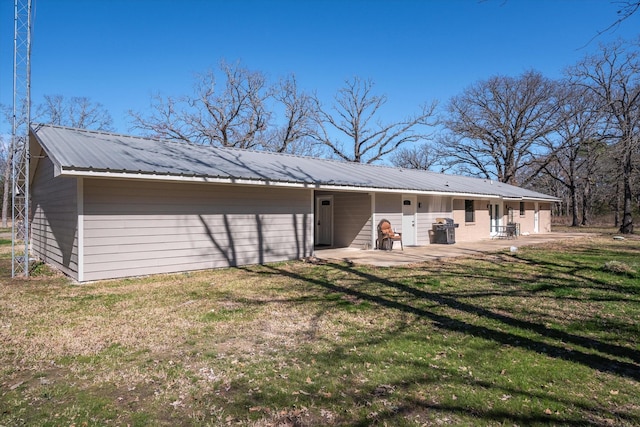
[
  {"x": 581, "y": 132},
  {"x": 422, "y": 157},
  {"x": 6, "y": 158},
  {"x": 166, "y": 120},
  {"x": 626, "y": 8},
  {"x": 295, "y": 135},
  {"x": 77, "y": 112},
  {"x": 613, "y": 78},
  {"x": 500, "y": 126},
  {"x": 355, "y": 115},
  {"x": 233, "y": 116},
  {"x": 7, "y": 113},
  {"x": 545, "y": 182}
]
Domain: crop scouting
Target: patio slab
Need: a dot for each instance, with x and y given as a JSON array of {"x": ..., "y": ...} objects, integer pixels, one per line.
[{"x": 417, "y": 254}]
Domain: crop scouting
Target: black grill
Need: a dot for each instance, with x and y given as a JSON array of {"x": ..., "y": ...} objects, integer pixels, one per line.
[{"x": 444, "y": 231}]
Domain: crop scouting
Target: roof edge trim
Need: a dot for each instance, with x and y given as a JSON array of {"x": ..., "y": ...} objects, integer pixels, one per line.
[
  {"x": 244, "y": 181},
  {"x": 180, "y": 178}
]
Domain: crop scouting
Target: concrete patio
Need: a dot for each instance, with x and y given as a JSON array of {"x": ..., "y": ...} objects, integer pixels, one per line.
[{"x": 416, "y": 254}]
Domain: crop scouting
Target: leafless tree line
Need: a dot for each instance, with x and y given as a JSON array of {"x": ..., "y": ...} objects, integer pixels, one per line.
[
  {"x": 576, "y": 138},
  {"x": 78, "y": 112},
  {"x": 238, "y": 108}
]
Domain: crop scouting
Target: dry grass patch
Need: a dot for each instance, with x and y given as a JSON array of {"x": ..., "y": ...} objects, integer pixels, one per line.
[{"x": 544, "y": 336}]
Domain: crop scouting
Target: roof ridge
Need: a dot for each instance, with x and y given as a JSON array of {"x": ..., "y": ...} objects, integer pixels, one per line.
[{"x": 215, "y": 147}]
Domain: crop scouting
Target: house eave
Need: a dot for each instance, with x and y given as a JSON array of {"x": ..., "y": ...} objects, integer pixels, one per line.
[
  {"x": 92, "y": 173},
  {"x": 109, "y": 174}
]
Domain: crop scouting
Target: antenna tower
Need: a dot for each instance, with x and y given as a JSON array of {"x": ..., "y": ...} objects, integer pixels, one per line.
[{"x": 20, "y": 138}]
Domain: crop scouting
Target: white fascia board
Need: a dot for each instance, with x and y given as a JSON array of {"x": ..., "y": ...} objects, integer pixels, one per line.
[
  {"x": 407, "y": 191},
  {"x": 263, "y": 182},
  {"x": 181, "y": 178},
  {"x": 540, "y": 199},
  {"x": 532, "y": 199}
]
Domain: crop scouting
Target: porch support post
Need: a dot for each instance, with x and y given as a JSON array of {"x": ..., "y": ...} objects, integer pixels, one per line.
[
  {"x": 374, "y": 232},
  {"x": 312, "y": 231},
  {"x": 80, "y": 232}
]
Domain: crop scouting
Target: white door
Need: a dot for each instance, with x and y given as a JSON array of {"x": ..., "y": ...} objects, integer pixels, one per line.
[
  {"x": 324, "y": 221},
  {"x": 536, "y": 219},
  {"x": 409, "y": 220}
]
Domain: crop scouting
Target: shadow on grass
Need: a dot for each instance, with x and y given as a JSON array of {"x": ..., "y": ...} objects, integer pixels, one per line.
[
  {"x": 594, "y": 361},
  {"x": 500, "y": 415},
  {"x": 384, "y": 292},
  {"x": 561, "y": 273}
]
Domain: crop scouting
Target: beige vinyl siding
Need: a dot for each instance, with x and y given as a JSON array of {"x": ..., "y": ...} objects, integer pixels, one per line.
[
  {"x": 54, "y": 224},
  {"x": 388, "y": 206},
  {"x": 430, "y": 208},
  {"x": 137, "y": 228},
  {"x": 351, "y": 219}
]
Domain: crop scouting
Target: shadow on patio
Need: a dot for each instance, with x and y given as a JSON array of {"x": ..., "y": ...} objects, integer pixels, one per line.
[{"x": 417, "y": 254}]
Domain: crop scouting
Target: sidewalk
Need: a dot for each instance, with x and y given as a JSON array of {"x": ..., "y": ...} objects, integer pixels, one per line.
[{"x": 416, "y": 254}]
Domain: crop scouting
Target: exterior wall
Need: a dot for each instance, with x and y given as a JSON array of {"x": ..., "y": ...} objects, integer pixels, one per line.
[
  {"x": 142, "y": 227},
  {"x": 527, "y": 221},
  {"x": 389, "y": 207},
  {"x": 544, "y": 218},
  {"x": 515, "y": 216},
  {"x": 480, "y": 228},
  {"x": 430, "y": 208},
  {"x": 54, "y": 224},
  {"x": 351, "y": 219},
  {"x": 476, "y": 230}
]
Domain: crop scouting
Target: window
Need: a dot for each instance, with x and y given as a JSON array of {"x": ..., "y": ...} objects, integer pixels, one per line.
[
  {"x": 469, "y": 211},
  {"x": 522, "y": 211}
]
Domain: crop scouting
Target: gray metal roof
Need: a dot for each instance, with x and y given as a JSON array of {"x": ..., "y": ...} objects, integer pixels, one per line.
[{"x": 82, "y": 151}]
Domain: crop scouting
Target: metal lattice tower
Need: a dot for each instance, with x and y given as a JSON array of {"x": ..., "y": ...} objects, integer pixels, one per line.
[{"x": 20, "y": 138}]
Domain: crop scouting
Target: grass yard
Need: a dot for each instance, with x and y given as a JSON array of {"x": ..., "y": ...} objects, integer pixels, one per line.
[{"x": 547, "y": 336}]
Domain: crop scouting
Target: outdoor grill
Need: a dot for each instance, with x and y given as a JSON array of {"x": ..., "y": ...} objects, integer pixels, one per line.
[{"x": 444, "y": 231}]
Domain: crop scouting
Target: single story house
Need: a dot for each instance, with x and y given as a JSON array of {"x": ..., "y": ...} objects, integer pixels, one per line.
[{"x": 105, "y": 205}]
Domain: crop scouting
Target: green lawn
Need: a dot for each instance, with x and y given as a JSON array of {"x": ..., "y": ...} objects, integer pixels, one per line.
[{"x": 550, "y": 335}]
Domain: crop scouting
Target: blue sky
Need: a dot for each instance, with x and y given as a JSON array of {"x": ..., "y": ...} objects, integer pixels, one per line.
[{"x": 120, "y": 52}]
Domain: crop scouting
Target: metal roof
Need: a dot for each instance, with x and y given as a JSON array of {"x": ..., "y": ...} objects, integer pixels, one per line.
[{"x": 90, "y": 153}]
